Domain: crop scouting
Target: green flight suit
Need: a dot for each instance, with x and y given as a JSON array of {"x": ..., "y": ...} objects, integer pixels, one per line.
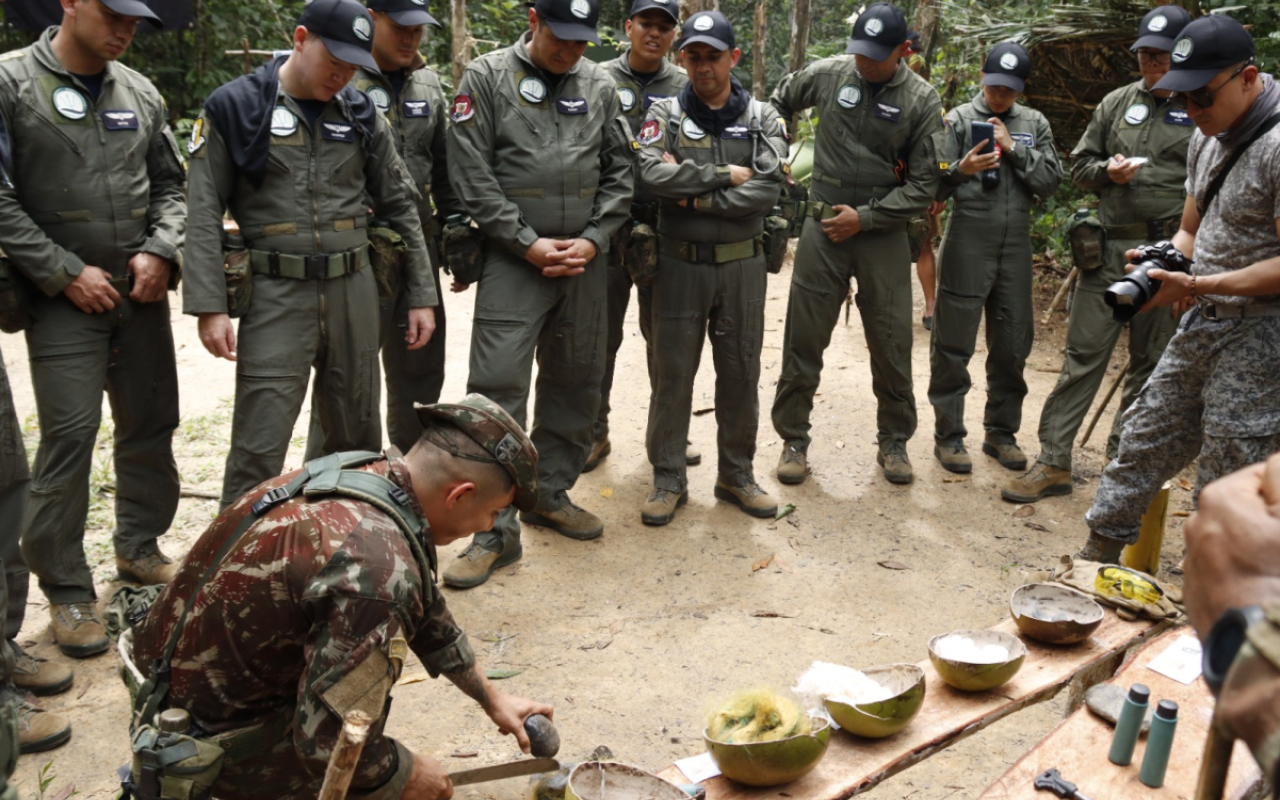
[
  {"x": 418, "y": 114},
  {"x": 92, "y": 182},
  {"x": 711, "y": 280},
  {"x": 1132, "y": 122},
  {"x": 635, "y": 97},
  {"x": 985, "y": 265},
  {"x": 313, "y": 201},
  {"x": 879, "y": 155},
  {"x": 531, "y": 160}
]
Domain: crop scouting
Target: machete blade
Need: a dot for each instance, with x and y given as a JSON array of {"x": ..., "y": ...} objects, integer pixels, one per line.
[{"x": 511, "y": 769}]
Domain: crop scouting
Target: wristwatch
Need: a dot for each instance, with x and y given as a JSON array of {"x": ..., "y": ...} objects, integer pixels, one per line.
[
  {"x": 1224, "y": 641},
  {"x": 1013, "y": 147}
]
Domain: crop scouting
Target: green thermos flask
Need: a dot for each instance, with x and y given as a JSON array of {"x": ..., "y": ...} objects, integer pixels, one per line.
[
  {"x": 1159, "y": 742},
  {"x": 1129, "y": 724}
]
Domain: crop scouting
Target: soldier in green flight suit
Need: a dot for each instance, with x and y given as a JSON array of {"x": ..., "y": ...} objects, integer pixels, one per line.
[
  {"x": 644, "y": 76},
  {"x": 1134, "y": 156},
  {"x": 875, "y": 168},
  {"x": 715, "y": 156},
  {"x": 985, "y": 263},
  {"x": 544, "y": 164},
  {"x": 297, "y": 155}
]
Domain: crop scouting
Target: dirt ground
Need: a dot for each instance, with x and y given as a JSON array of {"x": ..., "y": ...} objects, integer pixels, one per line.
[{"x": 633, "y": 635}]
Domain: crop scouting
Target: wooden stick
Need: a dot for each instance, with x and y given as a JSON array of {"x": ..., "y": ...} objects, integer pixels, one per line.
[
  {"x": 1062, "y": 292},
  {"x": 346, "y": 754},
  {"x": 1110, "y": 393},
  {"x": 1213, "y": 769}
]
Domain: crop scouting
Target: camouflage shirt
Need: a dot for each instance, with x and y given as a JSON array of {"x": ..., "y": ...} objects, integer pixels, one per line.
[{"x": 314, "y": 591}]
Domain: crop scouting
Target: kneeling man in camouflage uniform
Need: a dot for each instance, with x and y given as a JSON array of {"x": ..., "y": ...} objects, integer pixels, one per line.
[
  {"x": 713, "y": 155},
  {"x": 302, "y": 600}
]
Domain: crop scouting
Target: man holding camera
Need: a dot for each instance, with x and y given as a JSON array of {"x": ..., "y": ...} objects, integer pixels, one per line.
[
  {"x": 1000, "y": 158},
  {"x": 1215, "y": 394},
  {"x": 1134, "y": 156}
]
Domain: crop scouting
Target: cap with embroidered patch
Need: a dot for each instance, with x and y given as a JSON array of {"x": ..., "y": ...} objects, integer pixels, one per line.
[
  {"x": 1160, "y": 27},
  {"x": 491, "y": 427},
  {"x": 1203, "y": 49},
  {"x": 409, "y": 13},
  {"x": 1007, "y": 65},
  {"x": 570, "y": 20},
  {"x": 708, "y": 27},
  {"x": 345, "y": 27},
  {"x": 878, "y": 31},
  {"x": 665, "y": 6}
]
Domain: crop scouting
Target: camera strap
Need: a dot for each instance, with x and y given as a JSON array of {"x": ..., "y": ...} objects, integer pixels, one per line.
[{"x": 1216, "y": 184}]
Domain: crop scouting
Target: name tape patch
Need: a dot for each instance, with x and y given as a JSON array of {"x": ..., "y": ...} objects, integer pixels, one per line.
[{"x": 120, "y": 120}]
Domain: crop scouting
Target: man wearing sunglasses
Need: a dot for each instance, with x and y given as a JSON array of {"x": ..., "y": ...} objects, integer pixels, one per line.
[
  {"x": 1133, "y": 156},
  {"x": 1215, "y": 394}
]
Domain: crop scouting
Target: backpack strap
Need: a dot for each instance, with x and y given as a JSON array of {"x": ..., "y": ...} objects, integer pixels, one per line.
[{"x": 1218, "y": 180}]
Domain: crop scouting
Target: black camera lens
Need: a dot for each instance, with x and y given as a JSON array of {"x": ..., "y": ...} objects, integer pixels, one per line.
[{"x": 1128, "y": 295}]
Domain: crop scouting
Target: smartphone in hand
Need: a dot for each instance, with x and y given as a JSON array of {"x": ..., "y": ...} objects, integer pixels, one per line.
[{"x": 983, "y": 130}]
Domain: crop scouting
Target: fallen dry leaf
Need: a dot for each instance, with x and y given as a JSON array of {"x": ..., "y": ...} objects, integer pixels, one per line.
[
  {"x": 893, "y": 565},
  {"x": 702, "y": 411},
  {"x": 417, "y": 677},
  {"x": 464, "y": 754},
  {"x": 1180, "y": 513},
  {"x": 1025, "y": 511},
  {"x": 784, "y": 510},
  {"x": 65, "y": 792},
  {"x": 778, "y": 562},
  {"x": 84, "y": 688},
  {"x": 1036, "y": 527},
  {"x": 1184, "y": 484},
  {"x": 772, "y": 615},
  {"x": 762, "y": 563},
  {"x": 955, "y": 478},
  {"x": 606, "y": 492}
]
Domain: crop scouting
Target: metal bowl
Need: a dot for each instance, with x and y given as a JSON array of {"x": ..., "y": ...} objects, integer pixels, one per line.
[
  {"x": 609, "y": 780},
  {"x": 1053, "y": 613},
  {"x": 970, "y": 677},
  {"x": 883, "y": 717},
  {"x": 772, "y": 763}
]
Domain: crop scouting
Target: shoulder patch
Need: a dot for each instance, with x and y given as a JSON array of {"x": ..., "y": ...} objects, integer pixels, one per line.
[
  {"x": 12, "y": 54},
  {"x": 650, "y": 132},
  {"x": 462, "y": 109},
  {"x": 197, "y": 137}
]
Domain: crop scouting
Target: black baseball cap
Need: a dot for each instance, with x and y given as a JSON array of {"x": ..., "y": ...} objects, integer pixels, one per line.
[
  {"x": 708, "y": 27},
  {"x": 666, "y": 6},
  {"x": 1160, "y": 27},
  {"x": 405, "y": 12},
  {"x": 134, "y": 8},
  {"x": 1007, "y": 65},
  {"x": 346, "y": 29},
  {"x": 571, "y": 20},
  {"x": 877, "y": 31},
  {"x": 1206, "y": 47}
]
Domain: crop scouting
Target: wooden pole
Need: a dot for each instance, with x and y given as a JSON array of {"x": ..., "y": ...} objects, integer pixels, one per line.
[
  {"x": 759, "y": 40},
  {"x": 1110, "y": 393},
  {"x": 928, "y": 22},
  {"x": 1062, "y": 292},
  {"x": 346, "y": 754},
  {"x": 461, "y": 54},
  {"x": 799, "y": 44}
]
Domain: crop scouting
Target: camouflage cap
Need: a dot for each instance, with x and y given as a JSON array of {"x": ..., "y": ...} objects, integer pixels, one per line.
[{"x": 493, "y": 429}]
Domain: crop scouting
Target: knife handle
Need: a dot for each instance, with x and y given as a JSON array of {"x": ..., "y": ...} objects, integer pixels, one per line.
[{"x": 544, "y": 739}]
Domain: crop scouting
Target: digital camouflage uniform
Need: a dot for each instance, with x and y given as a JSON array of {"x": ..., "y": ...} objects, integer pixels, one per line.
[
  {"x": 1246, "y": 706},
  {"x": 93, "y": 182},
  {"x": 336, "y": 593},
  {"x": 313, "y": 201},
  {"x": 863, "y": 145},
  {"x": 1133, "y": 122},
  {"x": 635, "y": 98},
  {"x": 1214, "y": 397},
  {"x": 558, "y": 165},
  {"x": 710, "y": 283},
  {"x": 984, "y": 265}
]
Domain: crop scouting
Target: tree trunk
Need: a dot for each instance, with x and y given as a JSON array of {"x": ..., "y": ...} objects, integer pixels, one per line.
[
  {"x": 759, "y": 38},
  {"x": 690, "y": 7},
  {"x": 799, "y": 34},
  {"x": 461, "y": 53},
  {"x": 928, "y": 22}
]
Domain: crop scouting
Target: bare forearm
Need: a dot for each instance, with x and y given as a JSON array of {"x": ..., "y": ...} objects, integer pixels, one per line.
[
  {"x": 1262, "y": 278},
  {"x": 473, "y": 684}
]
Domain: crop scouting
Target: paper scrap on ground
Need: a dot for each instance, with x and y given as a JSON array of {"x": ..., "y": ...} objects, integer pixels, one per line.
[
  {"x": 698, "y": 768},
  {"x": 842, "y": 684},
  {"x": 1180, "y": 660},
  {"x": 966, "y": 650}
]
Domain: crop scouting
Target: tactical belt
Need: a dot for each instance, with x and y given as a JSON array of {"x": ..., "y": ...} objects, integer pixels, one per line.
[
  {"x": 819, "y": 210},
  {"x": 869, "y": 191},
  {"x": 1152, "y": 230},
  {"x": 243, "y": 744},
  {"x": 309, "y": 268},
  {"x": 1217, "y": 311},
  {"x": 704, "y": 253}
]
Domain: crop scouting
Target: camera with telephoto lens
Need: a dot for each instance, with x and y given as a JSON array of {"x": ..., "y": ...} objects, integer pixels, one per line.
[{"x": 1129, "y": 294}]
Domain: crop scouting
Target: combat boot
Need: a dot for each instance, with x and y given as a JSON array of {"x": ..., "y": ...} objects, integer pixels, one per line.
[
  {"x": 568, "y": 520},
  {"x": 39, "y": 676},
  {"x": 474, "y": 565},
  {"x": 599, "y": 450},
  {"x": 953, "y": 457},
  {"x": 1102, "y": 549},
  {"x": 692, "y": 455},
  {"x": 793, "y": 464},
  {"x": 77, "y": 630},
  {"x": 749, "y": 497},
  {"x": 39, "y": 729},
  {"x": 149, "y": 570},
  {"x": 897, "y": 467},
  {"x": 1008, "y": 454},
  {"x": 661, "y": 506},
  {"x": 1042, "y": 481}
]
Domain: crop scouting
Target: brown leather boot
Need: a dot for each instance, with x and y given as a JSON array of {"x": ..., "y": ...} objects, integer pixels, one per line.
[
  {"x": 39, "y": 729},
  {"x": 39, "y": 676},
  {"x": 793, "y": 464},
  {"x": 661, "y": 506},
  {"x": 1102, "y": 549},
  {"x": 148, "y": 570},
  {"x": 749, "y": 497},
  {"x": 474, "y": 565},
  {"x": 1042, "y": 481},
  {"x": 77, "y": 630},
  {"x": 1008, "y": 454},
  {"x": 599, "y": 450},
  {"x": 692, "y": 455},
  {"x": 953, "y": 457},
  {"x": 568, "y": 520},
  {"x": 897, "y": 466}
]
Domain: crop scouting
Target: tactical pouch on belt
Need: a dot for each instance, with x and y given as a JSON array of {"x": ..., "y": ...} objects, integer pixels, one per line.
[
  {"x": 776, "y": 236},
  {"x": 15, "y": 301},
  {"x": 794, "y": 203},
  {"x": 645, "y": 213},
  {"x": 387, "y": 259},
  {"x": 239, "y": 276},
  {"x": 173, "y": 766},
  {"x": 640, "y": 254},
  {"x": 1087, "y": 239},
  {"x": 463, "y": 248}
]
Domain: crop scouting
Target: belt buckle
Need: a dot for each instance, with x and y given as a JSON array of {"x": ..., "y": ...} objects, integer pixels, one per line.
[
  {"x": 703, "y": 253},
  {"x": 316, "y": 267},
  {"x": 1209, "y": 311}
]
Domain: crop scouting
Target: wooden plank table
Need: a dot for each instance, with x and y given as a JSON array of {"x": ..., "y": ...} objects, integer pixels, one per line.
[
  {"x": 853, "y": 765},
  {"x": 1078, "y": 747}
]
